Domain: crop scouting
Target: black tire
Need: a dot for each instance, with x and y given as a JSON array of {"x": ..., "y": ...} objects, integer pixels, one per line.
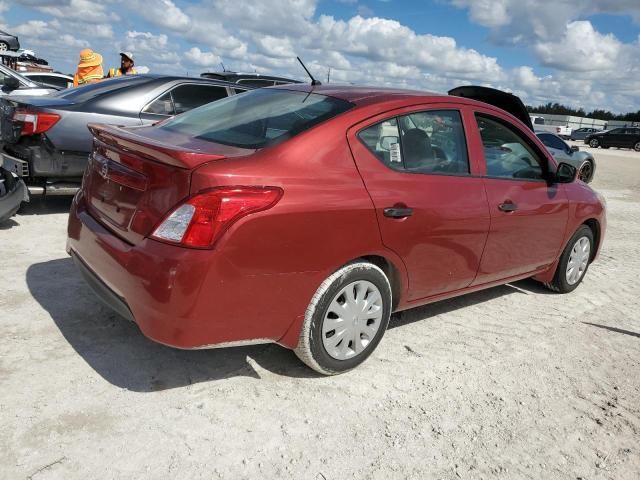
[
  {"x": 311, "y": 349},
  {"x": 594, "y": 143},
  {"x": 636, "y": 147},
  {"x": 4, "y": 47},
  {"x": 560, "y": 283}
]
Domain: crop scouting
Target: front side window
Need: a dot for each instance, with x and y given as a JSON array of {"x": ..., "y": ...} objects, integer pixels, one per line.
[
  {"x": 257, "y": 118},
  {"x": 508, "y": 153},
  {"x": 431, "y": 142}
]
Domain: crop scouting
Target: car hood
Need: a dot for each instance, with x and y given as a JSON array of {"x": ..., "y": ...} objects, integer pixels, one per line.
[{"x": 503, "y": 100}]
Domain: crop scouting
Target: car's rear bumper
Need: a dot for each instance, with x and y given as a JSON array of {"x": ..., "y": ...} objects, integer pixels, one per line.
[{"x": 182, "y": 297}]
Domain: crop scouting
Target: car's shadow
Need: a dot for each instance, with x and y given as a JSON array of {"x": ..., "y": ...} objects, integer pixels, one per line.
[{"x": 123, "y": 356}]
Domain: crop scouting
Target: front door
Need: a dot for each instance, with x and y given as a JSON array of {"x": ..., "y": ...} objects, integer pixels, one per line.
[
  {"x": 431, "y": 211},
  {"x": 528, "y": 216}
]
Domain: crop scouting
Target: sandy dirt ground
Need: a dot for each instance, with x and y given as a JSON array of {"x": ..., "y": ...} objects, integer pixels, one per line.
[{"x": 513, "y": 382}]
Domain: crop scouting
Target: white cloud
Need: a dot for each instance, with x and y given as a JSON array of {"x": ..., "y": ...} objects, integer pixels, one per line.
[
  {"x": 163, "y": 13},
  {"x": 87, "y": 11},
  {"x": 581, "y": 49},
  {"x": 202, "y": 59}
]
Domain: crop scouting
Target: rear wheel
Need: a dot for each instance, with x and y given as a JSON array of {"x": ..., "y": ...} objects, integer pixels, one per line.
[
  {"x": 636, "y": 147},
  {"x": 594, "y": 143},
  {"x": 4, "y": 46},
  {"x": 346, "y": 319},
  {"x": 574, "y": 262}
]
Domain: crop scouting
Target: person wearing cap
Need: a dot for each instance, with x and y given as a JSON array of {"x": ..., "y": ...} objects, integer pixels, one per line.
[
  {"x": 89, "y": 68},
  {"x": 126, "y": 66}
]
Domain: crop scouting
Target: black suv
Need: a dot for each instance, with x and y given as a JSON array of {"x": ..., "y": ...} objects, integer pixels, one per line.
[
  {"x": 250, "y": 79},
  {"x": 624, "y": 137}
]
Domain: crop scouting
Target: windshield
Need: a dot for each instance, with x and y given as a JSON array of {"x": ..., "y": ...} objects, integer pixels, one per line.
[
  {"x": 87, "y": 92},
  {"x": 257, "y": 118}
]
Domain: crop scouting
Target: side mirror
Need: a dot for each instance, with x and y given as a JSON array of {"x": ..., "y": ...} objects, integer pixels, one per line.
[
  {"x": 11, "y": 83},
  {"x": 565, "y": 173},
  {"x": 574, "y": 148},
  {"x": 386, "y": 142}
]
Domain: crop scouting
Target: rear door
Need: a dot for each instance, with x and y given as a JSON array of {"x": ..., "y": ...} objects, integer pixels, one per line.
[
  {"x": 528, "y": 216},
  {"x": 431, "y": 208}
]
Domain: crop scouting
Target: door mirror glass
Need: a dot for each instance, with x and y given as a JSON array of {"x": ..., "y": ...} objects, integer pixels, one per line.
[{"x": 566, "y": 173}]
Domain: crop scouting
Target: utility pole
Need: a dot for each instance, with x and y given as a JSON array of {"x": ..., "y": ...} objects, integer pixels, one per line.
[{"x": 328, "y": 74}]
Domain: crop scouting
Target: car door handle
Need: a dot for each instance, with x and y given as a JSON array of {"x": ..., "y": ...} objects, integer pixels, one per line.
[
  {"x": 398, "y": 212},
  {"x": 508, "y": 206}
]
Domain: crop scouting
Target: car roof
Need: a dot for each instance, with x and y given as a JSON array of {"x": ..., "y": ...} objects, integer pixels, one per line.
[{"x": 359, "y": 95}]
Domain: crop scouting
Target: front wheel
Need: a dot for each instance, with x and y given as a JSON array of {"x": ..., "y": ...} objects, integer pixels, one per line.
[
  {"x": 4, "y": 46},
  {"x": 574, "y": 262},
  {"x": 594, "y": 143},
  {"x": 345, "y": 319},
  {"x": 586, "y": 172},
  {"x": 636, "y": 147}
]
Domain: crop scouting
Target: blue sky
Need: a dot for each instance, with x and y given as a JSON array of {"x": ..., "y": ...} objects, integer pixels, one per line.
[{"x": 585, "y": 53}]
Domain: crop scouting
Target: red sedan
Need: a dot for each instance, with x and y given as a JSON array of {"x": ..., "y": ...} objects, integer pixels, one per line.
[{"x": 306, "y": 215}]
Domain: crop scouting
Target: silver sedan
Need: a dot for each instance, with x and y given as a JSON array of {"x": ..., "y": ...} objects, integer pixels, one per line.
[{"x": 562, "y": 152}]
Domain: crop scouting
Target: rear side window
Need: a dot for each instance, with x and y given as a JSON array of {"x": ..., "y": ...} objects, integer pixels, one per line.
[
  {"x": 188, "y": 97},
  {"x": 257, "y": 118},
  {"x": 431, "y": 142},
  {"x": 508, "y": 153},
  {"x": 161, "y": 106}
]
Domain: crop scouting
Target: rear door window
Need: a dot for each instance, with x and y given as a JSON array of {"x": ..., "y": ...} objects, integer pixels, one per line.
[
  {"x": 190, "y": 96},
  {"x": 430, "y": 142},
  {"x": 507, "y": 152}
]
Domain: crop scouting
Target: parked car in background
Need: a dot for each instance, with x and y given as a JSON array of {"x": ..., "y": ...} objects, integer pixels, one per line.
[
  {"x": 251, "y": 79},
  {"x": 15, "y": 84},
  {"x": 46, "y": 140},
  {"x": 54, "y": 80},
  {"x": 328, "y": 208},
  {"x": 539, "y": 123},
  {"x": 581, "y": 133},
  {"x": 624, "y": 137},
  {"x": 8, "y": 42},
  {"x": 562, "y": 152}
]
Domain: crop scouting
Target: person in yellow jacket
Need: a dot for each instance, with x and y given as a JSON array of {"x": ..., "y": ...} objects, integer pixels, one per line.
[
  {"x": 89, "y": 68},
  {"x": 126, "y": 66}
]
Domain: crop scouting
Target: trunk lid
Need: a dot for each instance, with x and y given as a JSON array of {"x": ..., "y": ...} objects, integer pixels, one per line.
[
  {"x": 503, "y": 100},
  {"x": 137, "y": 175}
]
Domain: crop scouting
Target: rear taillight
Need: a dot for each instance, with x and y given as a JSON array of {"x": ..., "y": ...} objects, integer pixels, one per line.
[
  {"x": 35, "y": 122},
  {"x": 203, "y": 218},
  {"x": 558, "y": 129}
]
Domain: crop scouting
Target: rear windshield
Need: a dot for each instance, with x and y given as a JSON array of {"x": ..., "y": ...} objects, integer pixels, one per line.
[
  {"x": 257, "y": 118},
  {"x": 87, "y": 92}
]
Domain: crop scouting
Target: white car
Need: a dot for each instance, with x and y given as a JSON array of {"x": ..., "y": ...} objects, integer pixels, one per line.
[
  {"x": 57, "y": 80},
  {"x": 539, "y": 124},
  {"x": 12, "y": 83}
]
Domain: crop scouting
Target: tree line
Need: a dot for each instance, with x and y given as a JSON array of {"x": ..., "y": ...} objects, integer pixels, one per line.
[{"x": 557, "y": 109}]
